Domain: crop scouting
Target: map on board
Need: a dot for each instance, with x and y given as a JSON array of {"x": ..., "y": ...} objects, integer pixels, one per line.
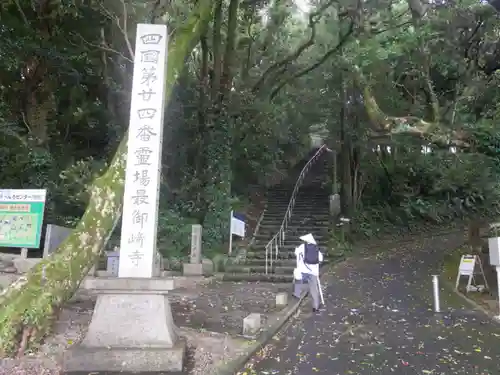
[
  {"x": 17, "y": 228},
  {"x": 21, "y": 218}
]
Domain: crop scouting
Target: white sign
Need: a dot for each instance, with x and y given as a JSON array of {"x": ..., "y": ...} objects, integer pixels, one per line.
[
  {"x": 467, "y": 264},
  {"x": 237, "y": 225},
  {"x": 23, "y": 195},
  {"x": 471, "y": 266},
  {"x": 142, "y": 177}
]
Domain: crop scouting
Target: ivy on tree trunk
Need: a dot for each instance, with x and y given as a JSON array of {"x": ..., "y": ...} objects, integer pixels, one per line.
[{"x": 29, "y": 305}]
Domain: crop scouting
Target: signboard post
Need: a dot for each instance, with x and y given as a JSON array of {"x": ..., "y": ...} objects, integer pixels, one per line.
[
  {"x": 21, "y": 217},
  {"x": 471, "y": 266}
]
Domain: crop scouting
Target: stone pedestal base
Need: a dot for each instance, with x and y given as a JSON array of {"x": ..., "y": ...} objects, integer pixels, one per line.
[
  {"x": 129, "y": 332},
  {"x": 192, "y": 269}
]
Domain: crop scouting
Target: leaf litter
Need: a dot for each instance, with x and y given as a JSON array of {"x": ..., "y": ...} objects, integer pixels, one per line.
[{"x": 379, "y": 320}]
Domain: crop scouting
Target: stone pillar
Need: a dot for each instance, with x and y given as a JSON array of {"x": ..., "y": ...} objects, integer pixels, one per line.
[
  {"x": 335, "y": 205},
  {"x": 195, "y": 266},
  {"x": 54, "y": 236},
  {"x": 132, "y": 328}
]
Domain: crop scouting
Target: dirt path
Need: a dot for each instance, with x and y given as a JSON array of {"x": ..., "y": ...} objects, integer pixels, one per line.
[{"x": 378, "y": 320}]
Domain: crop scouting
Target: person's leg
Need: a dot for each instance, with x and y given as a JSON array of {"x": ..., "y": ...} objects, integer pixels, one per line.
[{"x": 314, "y": 291}]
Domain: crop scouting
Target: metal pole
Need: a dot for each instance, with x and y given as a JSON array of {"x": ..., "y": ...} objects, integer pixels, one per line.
[
  {"x": 435, "y": 288},
  {"x": 230, "y": 233},
  {"x": 335, "y": 191},
  {"x": 266, "y": 259}
]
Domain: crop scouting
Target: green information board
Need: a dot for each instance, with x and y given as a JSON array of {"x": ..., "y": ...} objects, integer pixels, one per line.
[{"x": 21, "y": 217}]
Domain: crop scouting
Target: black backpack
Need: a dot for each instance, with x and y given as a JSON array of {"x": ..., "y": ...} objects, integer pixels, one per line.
[{"x": 311, "y": 254}]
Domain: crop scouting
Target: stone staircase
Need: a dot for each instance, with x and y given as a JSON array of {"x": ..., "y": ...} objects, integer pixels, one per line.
[{"x": 310, "y": 215}]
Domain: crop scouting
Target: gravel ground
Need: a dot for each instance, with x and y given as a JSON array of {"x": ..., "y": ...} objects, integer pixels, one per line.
[{"x": 209, "y": 317}]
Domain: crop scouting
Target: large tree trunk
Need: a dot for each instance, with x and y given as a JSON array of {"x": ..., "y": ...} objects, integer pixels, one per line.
[
  {"x": 218, "y": 137},
  {"x": 28, "y": 306}
]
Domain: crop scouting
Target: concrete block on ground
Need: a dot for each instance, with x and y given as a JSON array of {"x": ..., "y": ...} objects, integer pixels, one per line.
[
  {"x": 23, "y": 265},
  {"x": 251, "y": 324},
  {"x": 192, "y": 269},
  {"x": 281, "y": 299},
  {"x": 7, "y": 279},
  {"x": 208, "y": 267},
  {"x": 129, "y": 332}
]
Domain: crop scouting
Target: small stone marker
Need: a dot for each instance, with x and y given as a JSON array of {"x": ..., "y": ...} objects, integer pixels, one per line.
[
  {"x": 54, "y": 236},
  {"x": 195, "y": 243},
  {"x": 334, "y": 204},
  {"x": 112, "y": 263},
  {"x": 281, "y": 299},
  {"x": 251, "y": 324},
  {"x": 195, "y": 266}
]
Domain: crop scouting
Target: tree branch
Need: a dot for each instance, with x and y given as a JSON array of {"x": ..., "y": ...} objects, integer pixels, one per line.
[
  {"x": 314, "y": 17},
  {"x": 23, "y": 15},
  {"x": 384, "y": 125},
  {"x": 123, "y": 29},
  {"x": 317, "y": 64}
]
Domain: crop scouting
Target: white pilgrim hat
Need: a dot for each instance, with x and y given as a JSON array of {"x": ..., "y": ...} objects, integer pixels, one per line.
[{"x": 308, "y": 238}]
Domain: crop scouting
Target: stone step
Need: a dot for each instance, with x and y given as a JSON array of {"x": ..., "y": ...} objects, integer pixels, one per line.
[
  {"x": 298, "y": 199},
  {"x": 296, "y": 225},
  {"x": 299, "y": 217},
  {"x": 252, "y": 269},
  {"x": 261, "y": 254},
  {"x": 293, "y": 235},
  {"x": 310, "y": 209},
  {"x": 306, "y": 207},
  {"x": 293, "y": 227},
  {"x": 290, "y": 240},
  {"x": 270, "y": 277},
  {"x": 277, "y": 263},
  {"x": 300, "y": 196},
  {"x": 274, "y": 227},
  {"x": 310, "y": 219}
]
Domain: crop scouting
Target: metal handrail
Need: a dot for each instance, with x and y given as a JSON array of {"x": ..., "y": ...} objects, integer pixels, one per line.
[{"x": 279, "y": 238}]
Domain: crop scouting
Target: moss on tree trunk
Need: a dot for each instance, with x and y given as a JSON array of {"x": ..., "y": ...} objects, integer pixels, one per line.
[{"x": 29, "y": 305}]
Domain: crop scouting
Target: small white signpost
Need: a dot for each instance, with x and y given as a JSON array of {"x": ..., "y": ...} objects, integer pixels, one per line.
[
  {"x": 142, "y": 177},
  {"x": 471, "y": 266}
]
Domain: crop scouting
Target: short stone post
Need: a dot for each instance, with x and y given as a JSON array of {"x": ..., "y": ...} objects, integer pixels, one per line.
[
  {"x": 24, "y": 253},
  {"x": 195, "y": 266},
  {"x": 281, "y": 299},
  {"x": 251, "y": 325}
]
